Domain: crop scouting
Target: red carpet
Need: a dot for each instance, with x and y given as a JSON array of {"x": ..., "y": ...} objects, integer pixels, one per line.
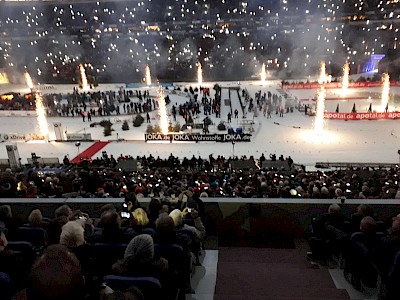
[
  {"x": 89, "y": 152},
  {"x": 276, "y": 274}
]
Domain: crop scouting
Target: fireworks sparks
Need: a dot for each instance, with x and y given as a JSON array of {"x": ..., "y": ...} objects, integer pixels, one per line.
[
  {"x": 28, "y": 80},
  {"x": 41, "y": 116},
  {"x": 148, "y": 75},
  {"x": 84, "y": 81},
  {"x": 319, "y": 117},
  {"x": 385, "y": 91},
  {"x": 263, "y": 74},
  {"x": 323, "y": 76},
  {"x": 3, "y": 78},
  {"x": 162, "y": 111},
  {"x": 345, "y": 78},
  {"x": 199, "y": 74}
]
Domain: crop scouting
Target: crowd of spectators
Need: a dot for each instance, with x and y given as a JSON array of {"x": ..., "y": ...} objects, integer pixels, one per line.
[
  {"x": 69, "y": 255},
  {"x": 208, "y": 177},
  {"x": 366, "y": 247}
]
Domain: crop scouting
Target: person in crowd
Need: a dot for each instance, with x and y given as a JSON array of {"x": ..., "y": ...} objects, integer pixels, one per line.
[
  {"x": 35, "y": 219},
  {"x": 165, "y": 233},
  {"x": 363, "y": 210},
  {"x": 14, "y": 264},
  {"x": 139, "y": 259},
  {"x": 155, "y": 207},
  {"x": 57, "y": 274},
  {"x": 198, "y": 229},
  {"x": 139, "y": 220},
  {"x": 326, "y": 233},
  {"x": 72, "y": 237},
  {"x": 54, "y": 229},
  {"x": 112, "y": 232},
  {"x": 388, "y": 248},
  {"x": 63, "y": 210},
  {"x": 10, "y": 222}
]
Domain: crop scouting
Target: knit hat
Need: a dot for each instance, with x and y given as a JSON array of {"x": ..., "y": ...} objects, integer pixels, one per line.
[{"x": 140, "y": 248}]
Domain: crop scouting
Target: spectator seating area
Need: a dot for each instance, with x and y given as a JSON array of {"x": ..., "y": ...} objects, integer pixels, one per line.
[
  {"x": 366, "y": 248},
  {"x": 245, "y": 177},
  {"x": 150, "y": 250}
]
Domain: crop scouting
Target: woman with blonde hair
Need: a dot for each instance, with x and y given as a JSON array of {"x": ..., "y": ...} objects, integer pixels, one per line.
[{"x": 140, "y": 221}]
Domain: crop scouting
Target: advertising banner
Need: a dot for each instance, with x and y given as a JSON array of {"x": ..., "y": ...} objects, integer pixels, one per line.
[
  {"x": 336, "y": 85},
  {"x": 362, "y": 116},
  {"x": 79, "y": 137},
  {"x": 15, "y": 137},
  {"x": 190, "y": 137}
]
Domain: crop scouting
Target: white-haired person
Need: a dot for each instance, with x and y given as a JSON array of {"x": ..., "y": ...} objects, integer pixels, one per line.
[
  {"x": 35, "y": 219},
  {"x": 72, "y": 236}
]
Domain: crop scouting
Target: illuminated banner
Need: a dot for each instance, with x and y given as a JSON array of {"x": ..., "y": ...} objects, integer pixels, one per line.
[
  {"x": 190, "y": 137},
  {"x": 336, "y": 85},
  {"x": 362, "y": 116}
]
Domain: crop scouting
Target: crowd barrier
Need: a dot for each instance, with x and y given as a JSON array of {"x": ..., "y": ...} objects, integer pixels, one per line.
[{"x": 44, "y": 161}]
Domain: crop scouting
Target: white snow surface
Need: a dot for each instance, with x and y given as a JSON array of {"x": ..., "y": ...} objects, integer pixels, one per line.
[{"x": 341, "y": 141}]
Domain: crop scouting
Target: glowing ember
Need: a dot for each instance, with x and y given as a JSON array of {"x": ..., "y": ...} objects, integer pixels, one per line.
[
  {"x": 345, "y": 78},
  {"x": 162, "y": 111},
  {"x": 199, "y": 74},
  {"x": 385, "y": 91},
  {"x": 148, "y": 76},
  {"x": 84, "y": 81},
  {"x": 319, "y": 117},
  {"x": 41, "y": 116},
  {"x": 323, "y": 76},
  {"x": 263, "y": 74},
  {"x": 28, "y": 80},
  {"x": 4, "y": 78}
]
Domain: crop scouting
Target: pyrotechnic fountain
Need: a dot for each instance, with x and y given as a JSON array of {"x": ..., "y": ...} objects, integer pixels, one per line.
[
  {"x": 263, "y": 74},
  {"x": 320, "y": 109},
  {"x": 162, "y": 111},
  {"x": 41, "y": 116},
  {"x": 28, "y": 80},
  {"x": 319, "y": 116},
  {"x": 84, "y": 81},
  {"x": 148, "y": 76},
  {"x": 323, "y": 76},
  {"x": 345, "y": 78},
  {"x": 385, "y": 91},
  {"x": 4, "y": 78},
  {"x": 40, "y": 109},
  {"x": 199, "y": 74}
]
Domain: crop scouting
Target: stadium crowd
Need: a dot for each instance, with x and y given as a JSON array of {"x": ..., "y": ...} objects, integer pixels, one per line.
[
  {"x": 73, "y": 256},
  {"x": 208, "y": 177},
  {"x": 365, "y": 247}
]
